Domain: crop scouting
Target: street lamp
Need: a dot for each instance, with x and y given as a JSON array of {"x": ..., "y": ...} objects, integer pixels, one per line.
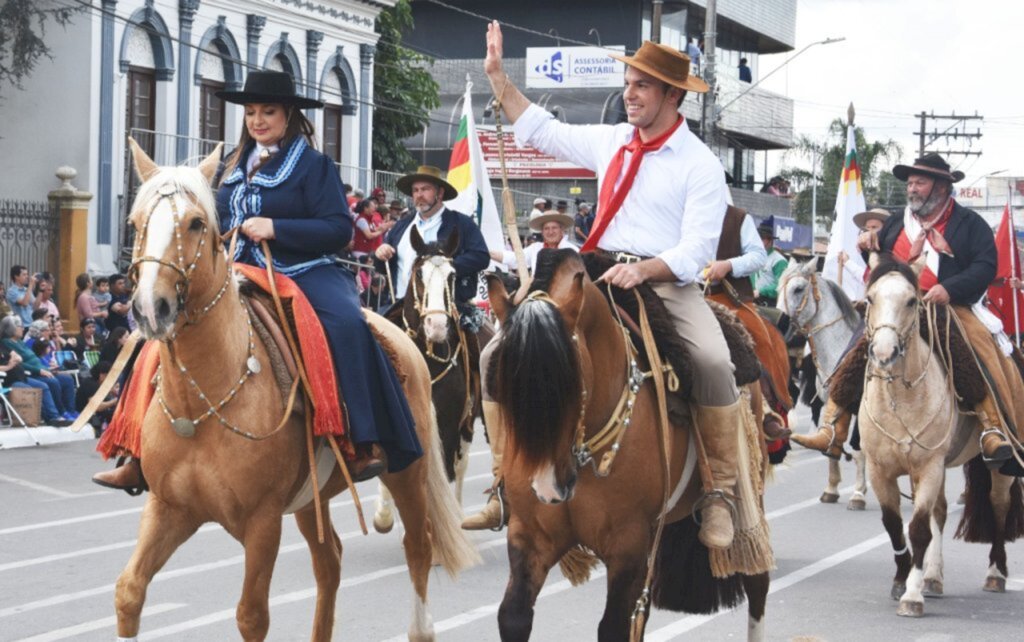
[
  {"x": 998, "y": 171},
  {"x": 826, "y": 41}
]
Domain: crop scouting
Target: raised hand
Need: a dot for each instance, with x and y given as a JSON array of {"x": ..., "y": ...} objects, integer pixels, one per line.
[{"x": 495, "y": 49}]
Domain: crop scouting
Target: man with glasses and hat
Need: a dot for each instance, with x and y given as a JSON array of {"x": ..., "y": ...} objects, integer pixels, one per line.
[
  {"x": 552, "y": 226},
  {"x": 766, "y": 280},
  {"x": 660, "y": 212},
  {"x": 960, "y": 264},
  {"x": 429, "y": 190}
]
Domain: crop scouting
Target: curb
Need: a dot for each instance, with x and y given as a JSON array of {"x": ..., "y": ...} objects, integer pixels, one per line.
[{"x": 19, "y": 437}]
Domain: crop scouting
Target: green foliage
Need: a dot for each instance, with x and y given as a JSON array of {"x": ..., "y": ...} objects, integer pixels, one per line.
[
  {"x": 875, "y": 158},
  {"x": 22, "y": 33},
  {"x": 404, "y": 91}
]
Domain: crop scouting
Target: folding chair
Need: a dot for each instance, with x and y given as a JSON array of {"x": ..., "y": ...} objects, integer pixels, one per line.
[
  {"x": 92, "y": 357},
  {"x": 67, "y": 356},
  {"x": 11, "y": 413}
]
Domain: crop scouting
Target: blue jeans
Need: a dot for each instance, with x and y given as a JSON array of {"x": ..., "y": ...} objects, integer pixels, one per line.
[
  {"x": 62, "y": 387},
  {"x": 50, "y": 412}
]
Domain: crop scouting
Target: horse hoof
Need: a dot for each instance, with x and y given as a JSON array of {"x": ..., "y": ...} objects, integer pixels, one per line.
[
  {"x": 829, "y": 498},
  {"x": 857, "y": 503},
  {"x": 995, "y": 585},
  {"x": 383, "y": 525},
  {"x": 910, "y": 609},
  {"x": 932, "y": 588},
  {"x": 898, "y": 589}
]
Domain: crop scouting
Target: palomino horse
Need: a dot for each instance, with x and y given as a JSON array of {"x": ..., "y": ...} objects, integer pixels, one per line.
[
  {"x": 560, "y": 376},
  {"x": 237, "y": 469},
  {"x": 821, "y": 311},
  {"x": 911, "y": 426},
  {"x": 429, "y": 316}
]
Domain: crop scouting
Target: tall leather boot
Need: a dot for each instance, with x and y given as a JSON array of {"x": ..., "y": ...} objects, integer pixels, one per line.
[
  {"x": 494, "y": 514},
  {"x": 127, "y": 476},
  {"x": 835, "y": 428},
  {"x": 718, "y": 426},
  {"x": 995, "y": 447}
]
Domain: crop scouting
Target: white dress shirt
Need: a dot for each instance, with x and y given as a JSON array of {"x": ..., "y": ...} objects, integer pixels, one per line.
[
  {"x": 676, "y": 206},
  {"x": 530, "y": 254},
  {"x": 407, "y": 255},
  {"x": 754, "y": 256},
  {"x": 254, "y": 156}
]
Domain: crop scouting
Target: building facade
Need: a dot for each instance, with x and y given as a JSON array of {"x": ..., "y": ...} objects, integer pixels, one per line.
[
  {"x": 750, "y": 125},
  {"x": 151, "y": 68}
]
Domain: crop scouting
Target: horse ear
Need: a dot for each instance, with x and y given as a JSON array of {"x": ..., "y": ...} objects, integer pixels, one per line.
[
  {"x": 572, "y": 306},
  {"x": 209, "y": 165},
  {"x": 417, "y": 240},
  {"x": 498, "y": 296},
  {"x": 809, "y": 267},
  {"x": 452, "y": 244},
  {"x": 145, "y": 168},
  {"x": 918, "y": 264},
  {"x": 873, "y": 260}
]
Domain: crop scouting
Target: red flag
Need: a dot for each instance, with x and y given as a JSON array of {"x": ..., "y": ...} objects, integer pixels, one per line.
[{"x": 1000, "y": 293}]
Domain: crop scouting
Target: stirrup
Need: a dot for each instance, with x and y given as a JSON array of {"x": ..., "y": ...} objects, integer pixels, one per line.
[
  {"x": 1003, "y": 453},
  {"x": 718, "y": 493},
  {"x": 497, "y": 492}
]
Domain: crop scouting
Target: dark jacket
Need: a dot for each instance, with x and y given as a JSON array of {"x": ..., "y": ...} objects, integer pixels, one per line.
[
  {"x": 471, "y": 257},
  {"x": 967, "y": 274}
]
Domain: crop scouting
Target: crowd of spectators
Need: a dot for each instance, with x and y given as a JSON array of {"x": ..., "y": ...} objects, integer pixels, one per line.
[{"x": 36, "y": 350}]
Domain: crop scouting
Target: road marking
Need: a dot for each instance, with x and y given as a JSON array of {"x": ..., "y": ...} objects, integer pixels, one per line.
[
  {"x": 24, "y": 483},
  {"x": 70, "y": 520},
  {"x": 289, "y": 598},
  {"x": 96, "y": 625},
  {"x": 799, "y": 506},
  {"x": 691, "y": 622}
]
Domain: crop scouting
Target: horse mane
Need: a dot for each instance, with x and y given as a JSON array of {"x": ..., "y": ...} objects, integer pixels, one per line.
[
  {"x": 850, "y": 314},
  {"x": 186, "y": 180},
  {"x": 889, "y": 264}
]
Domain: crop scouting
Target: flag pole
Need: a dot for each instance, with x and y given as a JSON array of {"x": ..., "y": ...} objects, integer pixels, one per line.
[
  {"x": 1013, "y": 267},
  {"x": 508, "y": 205}
]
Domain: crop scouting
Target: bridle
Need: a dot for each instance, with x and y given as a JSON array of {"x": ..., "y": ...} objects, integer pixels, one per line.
[
  {"x": 812, "y": 291},
  {"x": 183, "y": 270},
  {"x": 448, "y": 309}
]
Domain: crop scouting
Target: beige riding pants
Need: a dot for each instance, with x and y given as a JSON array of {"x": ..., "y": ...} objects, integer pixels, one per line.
[{"x": 714, "y": 375}]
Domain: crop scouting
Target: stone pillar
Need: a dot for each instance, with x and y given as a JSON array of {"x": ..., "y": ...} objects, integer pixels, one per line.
[
  {"x": 186, "y": 16},
  {"x": 253, "y": 27},
  {"x": 105, "y": 180},
  {"x": 74, "y": 241},
  {"x": 313, "y": 40},
  {"x": 366, "y": 53}
]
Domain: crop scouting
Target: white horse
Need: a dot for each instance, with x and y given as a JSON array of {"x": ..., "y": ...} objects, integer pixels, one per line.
[{"x": 821, "y": 311}]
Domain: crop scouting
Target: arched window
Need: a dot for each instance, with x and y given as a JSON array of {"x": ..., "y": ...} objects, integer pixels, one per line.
[{"x": 218, "y": 66}]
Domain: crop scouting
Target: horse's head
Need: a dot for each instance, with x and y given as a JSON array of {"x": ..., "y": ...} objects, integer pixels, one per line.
[
  {"x": 431, "y": 293},
  {"x": 799, "y": 294},
  {"x": 893, "y": 309},
  {"x": 541, "y": 366},
  {"x": 176, "y": 228}
]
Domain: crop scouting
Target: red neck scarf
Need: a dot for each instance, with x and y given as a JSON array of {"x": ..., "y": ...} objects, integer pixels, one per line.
[
  {"x": 933, "y": 233},
  {"x": 611, "y": 198},
  {"x": 551, "y": 246}
]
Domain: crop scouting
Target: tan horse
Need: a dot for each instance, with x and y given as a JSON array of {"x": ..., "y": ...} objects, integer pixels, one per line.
[
  {"x": 219, "y": 474},
  {"x": 563, "y": 370},
  {"x": 910, "y": 425}
]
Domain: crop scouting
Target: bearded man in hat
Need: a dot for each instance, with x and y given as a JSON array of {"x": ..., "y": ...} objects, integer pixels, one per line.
[
  {"x": 960, "y": 257},
  {"x": 766, "y": 280},
  {"x": 435, "y": 223},
  {"x": 660, "y": 212}
]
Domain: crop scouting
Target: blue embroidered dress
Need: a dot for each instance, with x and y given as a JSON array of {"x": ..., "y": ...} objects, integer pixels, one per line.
[{"x": 300, "y": 189}]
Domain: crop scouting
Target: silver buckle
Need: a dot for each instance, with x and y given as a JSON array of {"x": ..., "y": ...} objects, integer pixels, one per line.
[{"x": 627, "y": 258}]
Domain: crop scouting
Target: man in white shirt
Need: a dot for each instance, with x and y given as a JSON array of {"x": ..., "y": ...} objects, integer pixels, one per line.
[
  {"x": 660, "y": 214},
  {"x": 552, "y": 226}
]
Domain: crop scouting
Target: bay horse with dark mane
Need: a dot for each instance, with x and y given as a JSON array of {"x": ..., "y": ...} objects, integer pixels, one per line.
[
  {"x": 236, "y": 468},
  {"x": 563, "y": 372},
  {"x": 429, "y": 316}
]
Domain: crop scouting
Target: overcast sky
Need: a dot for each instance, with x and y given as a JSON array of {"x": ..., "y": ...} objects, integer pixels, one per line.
[{"x": 904, "y": 56}]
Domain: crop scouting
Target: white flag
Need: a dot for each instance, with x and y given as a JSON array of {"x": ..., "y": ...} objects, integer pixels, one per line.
[{"x": 849, "y": 202}]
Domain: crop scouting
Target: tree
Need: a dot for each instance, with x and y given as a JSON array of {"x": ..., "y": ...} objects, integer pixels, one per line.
[
  {"x": 22, "y": 35},
  {"x": 404, "y": 91},
  {"x": 875, "y": 158}
]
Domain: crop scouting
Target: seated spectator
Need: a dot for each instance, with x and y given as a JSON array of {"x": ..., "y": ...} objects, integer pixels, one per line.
[
  {"x": 61, "y": 386},
  {"x": 58, "y": 339},
  {"x": 105, "y": 411},
  {"x": 38, "y": 330},
  {"x": 5, "y": 308},
  {"x": 88, "y": 339},
  {"x": 19, "y": 293},
  {"x": 44, "y": 296},
  {"x": 120, "y": 304},
  {"x": 44, "y": 352},
  {"x": 16, "y": 377},
  {"x": 101, "y": 292},
  {"x": 85, "y": 304},
  {"x": 112, "y": 346}
]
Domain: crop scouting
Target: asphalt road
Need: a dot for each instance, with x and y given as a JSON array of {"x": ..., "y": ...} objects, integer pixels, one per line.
[{"x": 63, "y": 542}]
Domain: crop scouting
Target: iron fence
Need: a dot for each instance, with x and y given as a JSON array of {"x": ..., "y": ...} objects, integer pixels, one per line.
[{"x": 29, "y": 235}]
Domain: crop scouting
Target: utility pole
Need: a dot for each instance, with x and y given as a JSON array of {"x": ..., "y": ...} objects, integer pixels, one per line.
[
  {"x": 656, "y": 20},
  {"x": 708, "y": 120},
  {"x": 956, "y": 130}
]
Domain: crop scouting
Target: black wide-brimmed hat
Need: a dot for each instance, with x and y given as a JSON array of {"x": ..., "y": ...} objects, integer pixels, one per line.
[
  {"x": 930, "y": 165},
  {"x": 426, "y": 173},
  {"x": 766, "y": 230},
  {"x": 269, "y": 87}
]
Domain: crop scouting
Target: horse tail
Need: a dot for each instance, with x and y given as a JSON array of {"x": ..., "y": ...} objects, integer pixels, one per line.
[
  {"x": 683, "y": 581},
  {"x": 978, "y": 522},
  {"x": 538, "y": 380},
  {"x": 452, "y": 547}
]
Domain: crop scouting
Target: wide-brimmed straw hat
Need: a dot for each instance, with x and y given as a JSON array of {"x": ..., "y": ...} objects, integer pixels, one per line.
[
  {"x": 930, "y": 165},
  {"x": 665, "y": 63},
  {"x": 873, "y": 214},
  {"x": 266, "y": 87},
  {"x": 426, "y": 173},
  {"x": 539, "y": 219}
]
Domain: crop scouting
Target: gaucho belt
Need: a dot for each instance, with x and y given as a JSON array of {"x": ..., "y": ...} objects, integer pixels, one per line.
[{"x": 620, "y": 257}]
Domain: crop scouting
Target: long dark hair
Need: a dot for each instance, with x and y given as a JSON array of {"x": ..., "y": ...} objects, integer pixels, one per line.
[{"x": 298, "y": 125}]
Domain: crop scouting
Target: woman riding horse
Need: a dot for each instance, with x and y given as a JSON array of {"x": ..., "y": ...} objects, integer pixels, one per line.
[{"x": 277, "y": 188}]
